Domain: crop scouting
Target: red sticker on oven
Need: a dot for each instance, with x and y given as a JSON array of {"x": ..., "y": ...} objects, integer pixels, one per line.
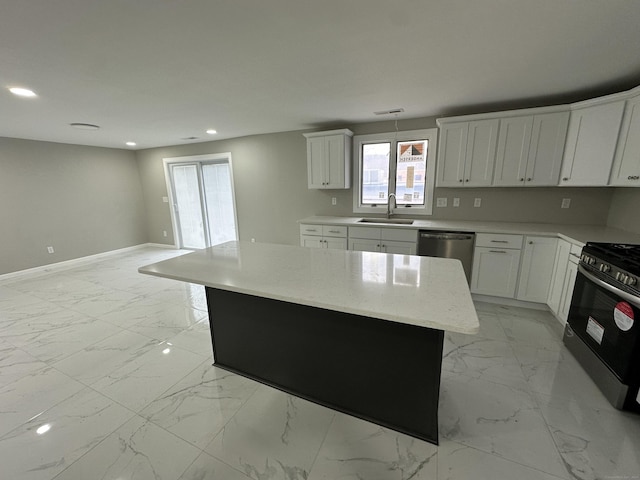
[{"x": 623, "y": 315}]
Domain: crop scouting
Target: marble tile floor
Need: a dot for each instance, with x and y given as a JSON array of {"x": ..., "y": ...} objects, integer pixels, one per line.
[{"x": 106, "y": 374}]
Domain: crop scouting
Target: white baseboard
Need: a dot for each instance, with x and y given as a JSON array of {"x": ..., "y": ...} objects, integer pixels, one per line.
[
  {"x": 65, "y": 265},
  {"x": 511, "y": 302}
]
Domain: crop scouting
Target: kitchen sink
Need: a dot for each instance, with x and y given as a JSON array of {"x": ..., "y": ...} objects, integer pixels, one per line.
[{"x": 396, "y": 221}]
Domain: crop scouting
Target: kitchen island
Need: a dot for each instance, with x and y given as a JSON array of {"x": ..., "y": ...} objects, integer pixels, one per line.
[{"x": 359, "y": 332}]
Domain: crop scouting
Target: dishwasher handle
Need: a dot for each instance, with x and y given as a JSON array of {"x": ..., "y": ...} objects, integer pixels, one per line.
[{"x": 447, "y": 235}]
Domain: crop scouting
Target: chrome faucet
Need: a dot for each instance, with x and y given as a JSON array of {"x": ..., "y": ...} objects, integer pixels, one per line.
[{"x": 395, "y": 201}]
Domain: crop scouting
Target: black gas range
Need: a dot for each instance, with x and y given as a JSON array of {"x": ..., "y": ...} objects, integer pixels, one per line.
[{"x": 603, "y": 328}]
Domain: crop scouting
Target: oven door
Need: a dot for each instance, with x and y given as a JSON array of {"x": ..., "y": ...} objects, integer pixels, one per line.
[{"x": 607, "y": 320}]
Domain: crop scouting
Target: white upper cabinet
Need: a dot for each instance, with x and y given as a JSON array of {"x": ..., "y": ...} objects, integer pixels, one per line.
[
  {"x": 466, "y": 153},
  {"x": 547, "y": 147},
  {"x": 626, "y": 165},
  {"x": 530, "y": 150},
  {"x": 329, "y": 159},
  {"x": 591, "y": 144}
]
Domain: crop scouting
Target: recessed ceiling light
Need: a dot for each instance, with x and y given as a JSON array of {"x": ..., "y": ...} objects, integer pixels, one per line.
[
  {"x": 22, "y": 92},
  {"x": 85, "y": 126},
  {"x": 211, "y": 131},
  {"x": 132, "y": 144},
  {"x": 43, "y": 429}
]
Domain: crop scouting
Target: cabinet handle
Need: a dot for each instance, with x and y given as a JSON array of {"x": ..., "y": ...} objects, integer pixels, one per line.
[
  {"x": 499, "y": 241},
  {"x": 467, "y": 180},
  {"x": 310, "y": 230},
  {"x": 334, "y": 231},
  {"x": 565, "y": 179},
  {"x": 497, "y": 251},
  {"x": 633, "y": 177},
  {"x": 528, "y": 179},
  {"x": 522, "y": 179},
  {"x": 460, "y": 180},
  {"x": 530, "y": 242}
]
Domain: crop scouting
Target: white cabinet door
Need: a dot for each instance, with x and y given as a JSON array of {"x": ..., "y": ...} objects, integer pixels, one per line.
[
  {"x": 591, "y": 144},
  {"x": 537, "y": 269},
  {"x": 481, "y": 153},
  {"x": 626, "y": 165},
  {"x": 567, "y": 291},
  {"x": 451, "y": 154},
  {"x": 315, "y": 162},
  {"x": 548, "y": 138},
  {"x": 513, "y": 151},
  {"x": 335, "y": 162},
  {"x": 364, "y": 245},
  {"x": 495, "y": 271},
  {"x": 557, "y": 277},
  {"x": 311, "y": 241},
  {"x": 404, "y": 248}
]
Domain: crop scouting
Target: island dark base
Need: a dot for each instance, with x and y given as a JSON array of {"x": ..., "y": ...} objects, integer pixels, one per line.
[{"x": 383, "y": 372}]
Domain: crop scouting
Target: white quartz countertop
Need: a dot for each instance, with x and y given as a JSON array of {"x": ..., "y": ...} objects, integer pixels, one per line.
[
  {"x": 578, "y": 234},
  {"x": 422, "y": 291}
]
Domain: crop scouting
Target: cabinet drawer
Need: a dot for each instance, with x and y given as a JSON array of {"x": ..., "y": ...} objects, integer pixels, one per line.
[
  {"x": 364, "y": 232},
  {"x": 574, "y": 253},
  {"x": 399, "y": 234},
  {"x": 498, "y": 240},
  {"x": 306, "y": 229},
  {"x": 334, "y": 231}
]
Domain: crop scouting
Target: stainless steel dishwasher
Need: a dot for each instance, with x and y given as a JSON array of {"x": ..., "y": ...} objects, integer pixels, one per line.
[{"x": 434, "y": 243}]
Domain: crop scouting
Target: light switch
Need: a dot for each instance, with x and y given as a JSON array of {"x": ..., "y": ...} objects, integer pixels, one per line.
[
  {"x": 165, "y": 199},
  {"x": 456, "y": 202},
  {"x": 566, "y": 203},
  {"x": 477, "y": 202}
]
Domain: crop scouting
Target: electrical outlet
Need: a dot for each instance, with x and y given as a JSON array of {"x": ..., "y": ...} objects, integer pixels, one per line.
[
  {"x": 566, "y": 203},
  {"x": 441, "y": 202},
  {"x": 165, "y": 199},
  {"x": 50, "y": 249},
  {"x": 456, "y": 202},
  {"x": 477, "y": 202},
  {"x": 334, "y": 201},
  {"x": 164, "y": 233}
]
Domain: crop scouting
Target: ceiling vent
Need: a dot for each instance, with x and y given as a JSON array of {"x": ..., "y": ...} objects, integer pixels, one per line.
[{"x": 393, "y": 111}]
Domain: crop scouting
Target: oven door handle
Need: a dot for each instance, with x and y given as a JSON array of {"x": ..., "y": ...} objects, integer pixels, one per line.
[{"x": 632, "y": 299}]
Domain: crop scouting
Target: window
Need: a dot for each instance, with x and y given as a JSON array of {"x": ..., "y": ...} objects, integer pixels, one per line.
[{"x": 398, "y": 163}]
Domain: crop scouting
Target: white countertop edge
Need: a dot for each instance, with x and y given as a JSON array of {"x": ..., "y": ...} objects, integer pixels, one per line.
[{"x": 375, "y": 315}]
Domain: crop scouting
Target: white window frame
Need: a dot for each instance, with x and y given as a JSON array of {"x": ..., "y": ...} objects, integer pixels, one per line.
[{"x": 431, "y": 135}]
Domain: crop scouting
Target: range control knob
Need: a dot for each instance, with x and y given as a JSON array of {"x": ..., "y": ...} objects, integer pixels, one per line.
[
  {"x": 588, "y": 260},
  {"x": 604, "y": 268},
  {"x": 631, "y": 280},
  {"x": 621, "y": 277}
]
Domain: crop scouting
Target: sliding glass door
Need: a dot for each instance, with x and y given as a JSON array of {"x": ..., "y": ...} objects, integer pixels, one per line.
[{"x": 203, "y": 203}]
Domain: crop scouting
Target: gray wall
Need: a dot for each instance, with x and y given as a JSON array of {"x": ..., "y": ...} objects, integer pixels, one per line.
[
  {"x": 625, "y": 209},
  {"x": 80, "y": 200},
  {"x": 270, "y": 176}
]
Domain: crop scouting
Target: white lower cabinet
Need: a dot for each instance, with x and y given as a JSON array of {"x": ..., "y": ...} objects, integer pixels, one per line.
[
  {"x": 323, "y": 236},
  {"x": 563, "y": 279},
  {"x": 567, "y": 290},
  {"x": 536, "y": 269},
  {"x": 496, "y": 262},
  {"x": 557, "y": 277},
  {"x": 386, "y": 240},
  {"x": 495, "y": 271}
]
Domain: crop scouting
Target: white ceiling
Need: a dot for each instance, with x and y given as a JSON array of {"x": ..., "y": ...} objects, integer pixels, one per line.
[{"x": 157, "y": 71}]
